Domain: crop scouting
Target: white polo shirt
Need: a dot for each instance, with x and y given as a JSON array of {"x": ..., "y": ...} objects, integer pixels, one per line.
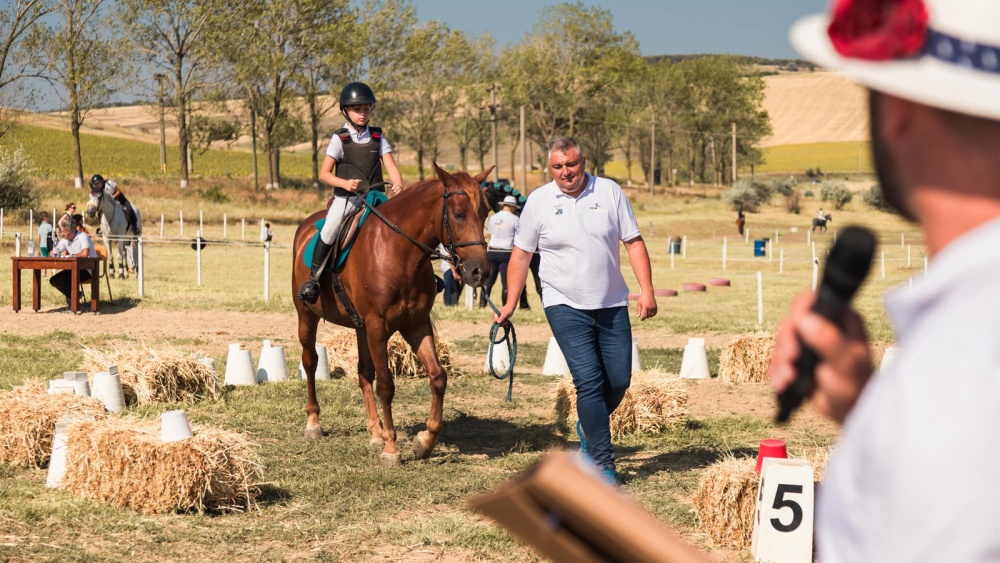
[
  {"x": 501, "y": 227},
  {"x": 578, "y": 240},
  {"x": 336, "y": 146}
]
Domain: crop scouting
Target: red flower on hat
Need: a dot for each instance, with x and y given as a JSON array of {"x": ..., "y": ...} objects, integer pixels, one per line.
[{"x": 878, "y": 30}]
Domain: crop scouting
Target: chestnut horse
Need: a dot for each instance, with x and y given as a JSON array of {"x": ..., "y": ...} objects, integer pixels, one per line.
[{"x": 390, "y": 281}]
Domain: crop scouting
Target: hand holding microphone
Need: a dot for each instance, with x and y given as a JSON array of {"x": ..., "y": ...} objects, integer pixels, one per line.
[{"x": 845, "y": 270}]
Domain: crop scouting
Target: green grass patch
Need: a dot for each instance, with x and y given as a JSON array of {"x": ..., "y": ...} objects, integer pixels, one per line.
[{"x": 849, "y": 156}]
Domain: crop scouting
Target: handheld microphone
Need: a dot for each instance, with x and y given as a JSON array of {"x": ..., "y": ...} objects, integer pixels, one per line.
[{"x": 846, "y": 267}]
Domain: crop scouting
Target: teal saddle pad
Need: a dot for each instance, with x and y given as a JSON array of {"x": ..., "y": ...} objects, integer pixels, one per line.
[{"x": 374, "y": 198}]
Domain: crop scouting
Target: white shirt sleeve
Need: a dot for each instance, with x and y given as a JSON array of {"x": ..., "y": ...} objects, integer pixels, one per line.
[
  {"x": 335, "y": 149},
  {"x": 527, "y": 232},
  {"x": 628, "y": 227}
]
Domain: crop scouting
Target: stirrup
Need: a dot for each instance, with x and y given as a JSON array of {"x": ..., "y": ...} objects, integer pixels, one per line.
[{"x": 309, "y": 292}]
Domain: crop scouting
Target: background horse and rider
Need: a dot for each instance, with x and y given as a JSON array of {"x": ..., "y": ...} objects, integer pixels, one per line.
[
  {"x": 821, "y": 223},
  {"x": 116, "y": 227},
  {"x": 389, "y": 279}
]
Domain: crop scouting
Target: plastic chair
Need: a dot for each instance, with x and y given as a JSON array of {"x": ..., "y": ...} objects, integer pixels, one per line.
[{"x": 102, "y": 254}]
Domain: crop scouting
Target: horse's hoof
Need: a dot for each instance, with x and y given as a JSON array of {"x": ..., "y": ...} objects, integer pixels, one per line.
[
  {"x": 314, "y": 432},
  {"x": 391, "y": 460},
  {"x": 420, "y": 451}
]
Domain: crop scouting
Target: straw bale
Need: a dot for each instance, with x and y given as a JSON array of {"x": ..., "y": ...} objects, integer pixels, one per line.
[
  {"x": 726, "y": 498},
  {"x": 121, "y": 461},
  {"x": 154, "y": 376},
  {"x": 745, "y": 359},
  {"x": 28, "y": 416},
  {"x": 342, "y": 352},
  {"x": 655, "y": 402}
]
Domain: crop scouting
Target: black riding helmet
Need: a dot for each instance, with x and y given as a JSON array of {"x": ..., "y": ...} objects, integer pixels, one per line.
[
  {"x": 96, "y": 180},
  {"x": 356, "y": 94}
]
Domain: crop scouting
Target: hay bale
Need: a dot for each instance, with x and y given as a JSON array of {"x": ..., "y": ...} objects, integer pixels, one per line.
[
  {"x": 655, "y": 402},
  {"x": 726, "y": 499},
  {"x": 745, "y": 359},
  {"x": 155, "y": 376},
  {"x": 28, "y": 416},
  {"x": 342, "y": 350},
  {"x": 121, "y": 461}
]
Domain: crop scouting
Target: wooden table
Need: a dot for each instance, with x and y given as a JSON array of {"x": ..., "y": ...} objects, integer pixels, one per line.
[{"x": 38, "y": 263}]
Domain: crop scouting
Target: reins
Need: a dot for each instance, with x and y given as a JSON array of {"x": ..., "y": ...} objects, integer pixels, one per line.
[{"x": 510, "y": 337}]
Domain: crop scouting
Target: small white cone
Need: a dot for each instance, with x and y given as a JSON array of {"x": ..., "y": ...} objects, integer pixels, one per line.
[
  {"x": 888, "y": 357},
  {"x": 60, "y": 386},
  {"x": 323, "y": 363},
  {"x": 501, "y": 358},
  {"x": 239, "y": 368},
  {"x": 81, "y": 388},
  {"x": 81, "y": 376},
  {"x": 108, "y": 390},
  {"x": 57, "y": 462},
  {"x": 695, "y": 362},
  {"x": 555, "y": 362},
  {"x": 174, "y": 426},
  {"x": 636, "y": 363},
  {"x": 272, "y": 366}
]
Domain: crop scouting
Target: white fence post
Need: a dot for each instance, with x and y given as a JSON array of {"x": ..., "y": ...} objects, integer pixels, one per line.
[
  {"x": 140, "y": 267},
  {"x": 815, "y": 273},
  {"x": 225, "y": 222},
  {"x": 17, "y": 245},
  {"x": 243, "y": 229},
  {"x": 746, "y": 236},
  {"x": 197, "y": 246},
  {"x": 883, "y": 264},
  {"x": 267, "y": 272}
]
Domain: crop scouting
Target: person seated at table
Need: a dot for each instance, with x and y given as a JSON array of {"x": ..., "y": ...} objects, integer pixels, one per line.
[{"x": 74, "y": 243}]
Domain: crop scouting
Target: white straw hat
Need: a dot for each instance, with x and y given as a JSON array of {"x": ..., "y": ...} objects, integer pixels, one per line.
[{"x": 940, "y": 53}]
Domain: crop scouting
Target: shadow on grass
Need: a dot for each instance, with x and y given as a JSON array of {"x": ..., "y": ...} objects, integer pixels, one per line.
[
  {"x": 494, "y": 437},
  {"x": 116, "y": 306},
  {"x": 271, "y": 495},
  {"x": 696, "y": 457}
]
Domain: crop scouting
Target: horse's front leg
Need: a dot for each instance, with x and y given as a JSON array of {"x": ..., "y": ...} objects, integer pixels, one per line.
[
  {"x": 121, "y": 260},
  {"x": 385, "y": 388},
  {"x": 308, "y": 323},
  {"x": 366, "y": 378},
  {"x": 421, "y": 340}
]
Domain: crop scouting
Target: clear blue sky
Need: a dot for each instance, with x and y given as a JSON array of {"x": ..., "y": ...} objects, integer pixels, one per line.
[{"x": 663, "y": 27}]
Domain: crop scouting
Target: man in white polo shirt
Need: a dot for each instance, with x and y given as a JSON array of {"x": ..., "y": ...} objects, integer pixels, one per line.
[
  {"x": 73, "y": 243},
  {"x": 576, "y": 222}
]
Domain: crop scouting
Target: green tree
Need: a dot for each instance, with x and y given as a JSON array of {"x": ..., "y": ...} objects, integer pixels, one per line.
[
  {"x": 80, "y": 61},
  {"x": 17, "y": 21},
  {"x": 170, "y": 38}
]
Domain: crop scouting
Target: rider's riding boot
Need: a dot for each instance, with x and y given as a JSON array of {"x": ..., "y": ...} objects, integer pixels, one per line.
[
  {"x": 310, "y": 289},
  {"x": 439, "y": 282}
]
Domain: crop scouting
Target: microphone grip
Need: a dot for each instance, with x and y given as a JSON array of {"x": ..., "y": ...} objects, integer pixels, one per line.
[{"x": 802, "y": 387}]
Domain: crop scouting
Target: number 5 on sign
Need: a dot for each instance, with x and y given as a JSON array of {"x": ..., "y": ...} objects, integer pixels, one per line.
[{"x": 783, "y": 521}]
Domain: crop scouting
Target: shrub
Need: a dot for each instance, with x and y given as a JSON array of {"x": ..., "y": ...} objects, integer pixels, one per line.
[
  {"x": 837, "y": 194},
  {"x": 782, "y": 186},
  {"x": 874, "y": 197},
  {"x": 743, "y": 195},
  {"x": 764, "y": 191},
  {"x": 214, "y": 194},
  {"x": 17, "y": 187},
  {"x": 809, "y": 193},
  {"x": 793, "y": 202}
]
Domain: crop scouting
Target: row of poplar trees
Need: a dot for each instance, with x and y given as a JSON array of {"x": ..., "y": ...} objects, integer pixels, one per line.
[{"x": 278, "y": 65}]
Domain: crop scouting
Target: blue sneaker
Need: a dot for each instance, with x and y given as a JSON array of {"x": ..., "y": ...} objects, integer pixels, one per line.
[
  {"x": 611, "y": 476},
  {"x": 583, "y": 439}
]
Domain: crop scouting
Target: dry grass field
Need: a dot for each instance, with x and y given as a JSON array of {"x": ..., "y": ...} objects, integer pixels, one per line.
[{"x": 815, "y": 107}]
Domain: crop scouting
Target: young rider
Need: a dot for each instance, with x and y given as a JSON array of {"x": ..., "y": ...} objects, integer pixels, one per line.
[
  {"x": 98, "y": 184},
  {"x": 353, "y": 161}
]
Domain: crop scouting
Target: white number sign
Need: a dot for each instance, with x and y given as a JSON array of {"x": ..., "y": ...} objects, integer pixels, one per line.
[{"x": 783, "y": 521}]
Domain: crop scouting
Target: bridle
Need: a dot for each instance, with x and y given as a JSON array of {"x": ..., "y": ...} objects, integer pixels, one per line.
[
  {"x": 100, "y": 198},
  {"x": 447, "y": 234}
]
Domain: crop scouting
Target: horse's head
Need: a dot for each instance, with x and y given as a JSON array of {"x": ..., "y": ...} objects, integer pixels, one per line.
[
  {"x": 94, "y": 204},
  {"x": 465, "y": 211}
]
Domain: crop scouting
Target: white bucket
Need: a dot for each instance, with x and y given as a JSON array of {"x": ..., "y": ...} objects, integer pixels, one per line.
[
  {"x": 694, "y": 365},
  {"x": 501, "y": 358},
  {"x": 60, "y": 386},
  {"x": 636, "y": 363},
  {"x": 69, "y": 375},
  {"x": 174, "y": 426},
  {"x": 239, "y": 368},
  {"x": 323, "y": 364},
  {"x": 57, "y": 462},
  {"x": 272, "y": 366},
  {"x": 81, "y": 388},
  {"x": 208, "y": 362},
  {"x": 108, "y": 390},
  {"x": 555, "y": 362}
]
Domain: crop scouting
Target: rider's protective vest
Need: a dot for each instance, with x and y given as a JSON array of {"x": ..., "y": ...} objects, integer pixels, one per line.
[{"x": 360, "y": 162}]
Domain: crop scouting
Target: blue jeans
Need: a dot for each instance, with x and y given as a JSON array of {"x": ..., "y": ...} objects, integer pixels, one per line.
[
  {"x": 597, "y": 345},
  {"x": 452, "y": 288}
]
